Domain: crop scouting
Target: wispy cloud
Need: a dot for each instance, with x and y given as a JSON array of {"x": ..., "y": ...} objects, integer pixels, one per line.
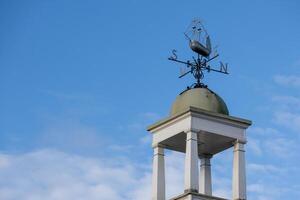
[
  {"x": 281, "y": 147},
  {"x": 121, "y": 148},
  {"x": 287, "y": 111},
  {"x": 269, "y": 141},
  {"x": 254, "y": 146},
  {"x": 286, "y": 102},
  {"x": 263, "y": 168},
  {"x": 146, "y": 139},
  {"x": 141, "y": 121},
  {"x": 54, "y": 175},
  {"x": 71, "y": 135},
  {"x": 263, "y": 131},
  {"x": 288, "y": 119},
  {"x": 288, "y": 80},
  {"x": 151, "y": 116},
  {"x": 263, "y": 192},
  {"x": 67, "y": 95}
]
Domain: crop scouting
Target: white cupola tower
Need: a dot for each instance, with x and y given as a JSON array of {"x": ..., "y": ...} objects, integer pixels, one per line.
[{"x": 199, "y": 126}]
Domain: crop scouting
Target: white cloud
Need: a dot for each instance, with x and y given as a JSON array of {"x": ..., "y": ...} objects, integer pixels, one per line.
[
  {"x": 136, "y": 126},
  {"x": 69, "y": 134},
  {"x": 68, "y": 96},
  {"x": 142, "y": 121},
  {"x": 257, "y": 188},
  {"x": 263, "y": 191},
  {"x": 147, "y": 139},
  {"x": 265, "y": 132},
  {"x": 288, "y": 119},
  {"x": 4, "y": 161},
  {"x": 254, "y": 146},
  {"x": 287, "y": 102},
  {"x": 263, "y": 168},
  {"x": 151, "y": 116},
  {"x": 222, "y": 186},
  {"x": 281, "y": 147},
  {"x": 291, "y": 80},
  {"x": 54, "y": 175},
  {"x": 121, "y": 148},
  {"x": 271, "y": 142}
]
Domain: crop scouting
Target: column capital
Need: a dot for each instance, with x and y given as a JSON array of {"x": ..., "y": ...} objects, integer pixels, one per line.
[
  {"x": 239, "y": 142},
  {"x": 191, "y": 130},
  {"x": 239, "y": 146},
  {"x": 191, "y": 135},
  {"x": 158, "y": 150},
  {"x": 208, "y": 156},
  {"x": 158, "y": 145}
]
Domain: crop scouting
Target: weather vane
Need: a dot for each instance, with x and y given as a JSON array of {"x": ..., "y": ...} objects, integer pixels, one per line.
[{"x": 197, "y": 36}]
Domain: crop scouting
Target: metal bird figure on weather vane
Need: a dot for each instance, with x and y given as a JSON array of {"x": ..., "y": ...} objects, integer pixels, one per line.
[{"x": 197, "y": 36}]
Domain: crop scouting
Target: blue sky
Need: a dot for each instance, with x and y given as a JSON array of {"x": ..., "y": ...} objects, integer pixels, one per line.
[{"x": 81, "y": 80}]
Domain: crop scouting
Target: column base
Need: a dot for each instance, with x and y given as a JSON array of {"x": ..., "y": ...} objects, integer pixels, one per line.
[{"x": 195, "y": 196}]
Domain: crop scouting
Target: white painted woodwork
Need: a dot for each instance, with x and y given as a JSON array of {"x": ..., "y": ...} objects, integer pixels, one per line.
[
  {"x": 219, "y": 127},
  {"x": 205, "y": 184},
  {"x": 170, "y": 129},
  {"x": 239, "y": 172},
  {"x": 212, "y": 133},
  {"x": 222, "y": 127},
  {"x": 191, "y": 162},
  {"x": 158, "y": 176}
]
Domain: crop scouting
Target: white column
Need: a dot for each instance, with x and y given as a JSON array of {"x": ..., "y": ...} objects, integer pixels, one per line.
[
  {"x": 239, "y": 172},
  {"x": 158, "y": 176},
  {"x": 205, "y": 175},
  {"x": 191, "y": 163}
]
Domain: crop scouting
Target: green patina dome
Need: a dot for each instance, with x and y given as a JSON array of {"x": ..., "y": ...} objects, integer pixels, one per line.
[{"x": 202, "y": 98}]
